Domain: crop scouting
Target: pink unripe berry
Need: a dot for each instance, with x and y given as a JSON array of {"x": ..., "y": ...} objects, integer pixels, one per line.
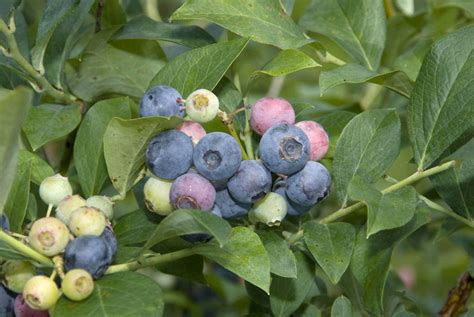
[
  {"x": 267, "y": 112},
  {"x": 192, "y": 129},
  {"x": 317, "y": 137},
  {"x": 23, "y": 310}
]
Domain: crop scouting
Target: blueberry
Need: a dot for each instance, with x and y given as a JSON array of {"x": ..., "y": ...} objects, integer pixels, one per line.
[
  {"x": 202, "y": 237},
  {"x": 110, "y": 241},
  {"x": 6, "y": 302},
  {"x": 251, "y": 182},
  {"x": 318, "y": 138},
  {"x": 229, "y": 207},
  {"x": 310, "y": 185},
  {"x": 192, "y": 129},
  {"x": 293, "y": 209},
  {"x": 89, "y": 253},
  {"x": 284, "y": 149},
  {"x": 5, "y": 223},
  {"x": 23, "y": 310},
  {"x": 170, "y": 154},
  {"x": 268, "y": 112},
  {"x": 162, "y": 101},
  {"x": 217, "y": 156},
  {"x": 192, "y": 191}
]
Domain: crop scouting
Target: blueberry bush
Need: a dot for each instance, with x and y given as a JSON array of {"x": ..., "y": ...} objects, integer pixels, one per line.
[{"x": 236, "y": 157}]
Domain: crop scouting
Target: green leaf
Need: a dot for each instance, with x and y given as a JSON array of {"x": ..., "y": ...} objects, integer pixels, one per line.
[
  {"x": 441, "y": 110},
  {"x": 342, "y": 307},
  {"x": 287, "y": 62},
  {"x": 331, "y": 245},
  {"x": 199, "y": 68},
  {"x": 367, "y": 147},
  {"x": 144, "y": 28},
  {"x": 118, "y": 294},
  {"x": 456, "y": 187},
  {"x": 122, "y": 68},
  {"x": 190, "y": 268},
  {"x": 17, "y": 202},
  {"x": 395, "y": 80},
  {"x": 187, "y": 221},
  {"x": 357, "y": 26},
  {"x": 385, "y": 211},
  {"x": 370, "y": 263},
  {"x": 125, "y": 142},
  {"x": 264, "y": 21},
  {"x": 283, "y": 262},
  {"x": 135, "y": 227},
  {"x": 112, "y": 14},
  {"x": 287, "y": 294},
  {"x": 466, "y": 5},
  {"x": 88, "y": 147},
  {"x": 49, "y": 122},
  {"x": 244, "y": 254},
  {"x": 334, "y": 124},
  {"x": 39, "y": 168},
  {"x": 229, "y": 96},
  {"x": 13, "y": 109}
]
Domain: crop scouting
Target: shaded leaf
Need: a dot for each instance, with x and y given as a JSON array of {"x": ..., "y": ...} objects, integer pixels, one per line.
[
  {"x": 244, "y": 255},
  {"x": 283, "y": 262},
  {"x": 263, "y": 21},
  {"x": 88, "y": 147},
  {"x": 199, "y": 68},
  {"x": 287, "y": 62},
  {"x": 331, "y": 245},
  {"x": 135, "y": 227},
  {"x": 39, "y": 168},
  {"x": 229, "y": 97},
  {"x": 17, "y": 202}
]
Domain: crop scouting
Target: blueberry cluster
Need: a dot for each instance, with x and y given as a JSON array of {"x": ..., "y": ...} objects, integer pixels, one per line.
[
  {"x": 192, "y": 169},
  {"x": 80, "y": 232}
]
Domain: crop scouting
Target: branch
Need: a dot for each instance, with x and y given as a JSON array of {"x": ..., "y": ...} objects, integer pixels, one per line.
[
  {"x": 24, "y": 249},
  {"x": 98, "y": 16},
  {"x": 456, "y": 303}
]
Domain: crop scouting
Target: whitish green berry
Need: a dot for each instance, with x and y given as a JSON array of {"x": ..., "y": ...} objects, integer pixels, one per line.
[
  {"x": 157, "y": 196},
  {"x": 55, "y": 188},
  {"x": 103, "y": 203},
  {"x": 270, "y": 210},
  {"x": 67, "y": 206},
  {"x": 48, "y": 236},
  {"x": 77, "y": 284},
  {"x": 16, "y": 273},
  {"x": 87, "y": 221},
  {"x": 40, "y": 293},
  {"x": 202, "y": 105}
]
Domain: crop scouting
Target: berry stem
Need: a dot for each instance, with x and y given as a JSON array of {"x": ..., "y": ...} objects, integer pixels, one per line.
[
  {"x": 50, "y": 208},
  {"x": 59, "y": 265},
  {"x": 53, "y": 275},
  {"x": 12, "y": 51},
  {"x": 24, "y": 249},
  {"x": 248, "y": 133},
  {"x": 150, "y": 261},
  {"x": 227, "y": 119}
]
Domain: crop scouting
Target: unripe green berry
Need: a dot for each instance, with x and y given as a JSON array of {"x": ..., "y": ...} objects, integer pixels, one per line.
[
  {"x": 77, "y": 284},
  {"x": 16, "y": 273},
  {"x": 103, "y": 203},
  {"x": 48, "y": 236},
  {"x": 270, "y": 210},
  {"x": 202, "y": 105},
  {"x": 40, "y": 293},
  {"x": 55, "y": 188},
  {"x": 67, "y": 206},
  {"x": 157, "y": 196},
  {"x": 87, "y": 221}
]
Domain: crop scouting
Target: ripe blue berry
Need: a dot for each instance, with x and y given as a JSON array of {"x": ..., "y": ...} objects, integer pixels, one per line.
[
  {"x": 110, "y": 241},
  {"x": 5, "y": 224},
  {"x": 229, "y": 207},
  {"x": 6, "y": 303},
  {"x": 310, "y": 185},
  {"x": 217, "y": 156},
  {"x": 251, "y": 182},
  {"x": 284, "y": 149},
  {"x": 193, "y": 191},
  {"x": 89, "y": 253},
  {"x": 170, "y": 154},
  {"x": 293, "y": 209},
  {"x": 161, "y": 101}
]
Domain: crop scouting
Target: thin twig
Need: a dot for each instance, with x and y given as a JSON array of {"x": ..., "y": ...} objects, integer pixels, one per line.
[{"x": 98, "y": 16}]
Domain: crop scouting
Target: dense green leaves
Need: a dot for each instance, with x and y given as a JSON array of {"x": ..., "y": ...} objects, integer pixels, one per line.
[
  {"x": 17, "y": 202},
  {"x": 244, "y": 254},
  {"x": 342, "y": 307},
  {"x": 384, "y": 211},
  {"x": 331, "y": 245},
  {"x": 441, "y": 110},
  {"x": 367, "y": 147},
  {"x": 134, "y": 228},
  {"x": 185, "y": 221},
  {"x": 125, "y": 142},
  {"x": 39, "y": 168},
  {"x": 199, "y": 68},
  {"x": 118, "y": 294},
  {"x": 357, "y": 26},
  {"x": 13, "y": 109},
  {"x": 144, "y": 28},
  {"x": 88, "y": 148},
  {"x": 49, "y": 122},
  {"x": 282, "y": 260},
  {"x": 287, "y": 62},
  {"x": 263, "y": 21}
]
